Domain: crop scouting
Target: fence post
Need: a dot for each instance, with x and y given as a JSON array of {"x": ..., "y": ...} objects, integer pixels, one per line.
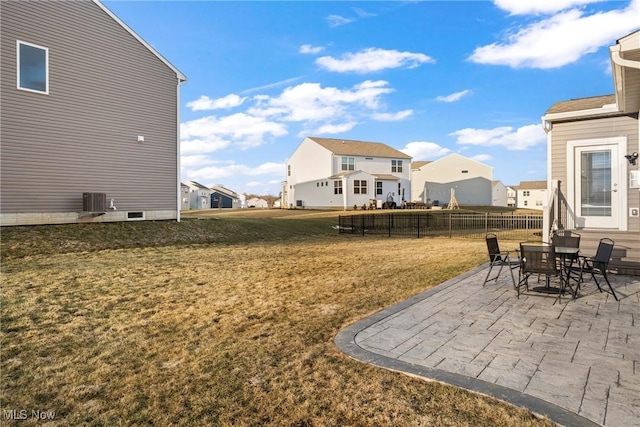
[
  {"x": 418, "y": 215},
  {"x": 486, "y": 223},
  {"x": 449, "y": 225},
  {"x": 389, "y": 225}
]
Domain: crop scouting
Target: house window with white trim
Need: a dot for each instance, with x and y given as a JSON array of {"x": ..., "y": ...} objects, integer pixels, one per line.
[
  {"x": 378, "y": 187},
  {"x": 33, "y": 67},
  {"x": 337, "y": 187},
  {"x": 359, "y": 186},
  {"x": 288, "y": 170},
  {"x": 396, "y": 166},
  {"x": 348, "y": 163},
  {"x": 526, "y": 193}
]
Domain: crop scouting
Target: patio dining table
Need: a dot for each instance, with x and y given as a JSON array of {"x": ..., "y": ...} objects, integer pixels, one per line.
[{"x": 562, "y": 253}]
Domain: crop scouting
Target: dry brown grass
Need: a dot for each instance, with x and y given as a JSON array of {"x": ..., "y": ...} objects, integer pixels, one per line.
[{"x": 224, "y": 335}]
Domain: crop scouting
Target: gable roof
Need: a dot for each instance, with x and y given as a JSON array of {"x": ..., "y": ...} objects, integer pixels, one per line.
[
  {"x": 220, "y": 189},
  {"x": 580, "y": 104},
  {"x": 419, "y": 164},
  {"x": 346, "y": 147},
  {"x": 179, "y": 74},
  {"x": 532, "y": 185},
  {"x": 198, "y": 185}
]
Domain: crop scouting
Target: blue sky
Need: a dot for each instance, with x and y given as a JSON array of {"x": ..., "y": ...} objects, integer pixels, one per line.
[{"x": 428, "y": 78}]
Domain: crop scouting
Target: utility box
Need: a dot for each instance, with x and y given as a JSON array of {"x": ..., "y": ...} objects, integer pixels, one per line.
[{"x": 94, "y": 202}]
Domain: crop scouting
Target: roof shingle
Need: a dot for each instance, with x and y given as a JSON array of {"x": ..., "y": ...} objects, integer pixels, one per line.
[{"x": 346, "y": 147}]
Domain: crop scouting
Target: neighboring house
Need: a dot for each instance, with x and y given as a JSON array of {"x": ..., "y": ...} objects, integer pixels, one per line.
[
  {"x": 591, "y": 142},
  {"x": 184, "y": 196},
  {"x": 532, "y": 195},
  {"x": 512, "y": 200},
  {"x": 471, "y": 181},
  {"x": 199, "y": 196},
  {"x": 88, "y": 118},
  {"x": 341, "y": 173},
  {"x": 256, "y": 202},
  {"x": 499, "y": 194},
  {"x": 223, "y": 198}
]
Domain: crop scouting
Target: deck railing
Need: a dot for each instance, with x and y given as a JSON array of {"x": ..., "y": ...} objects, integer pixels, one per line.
[{"x": 449, "y": 224}]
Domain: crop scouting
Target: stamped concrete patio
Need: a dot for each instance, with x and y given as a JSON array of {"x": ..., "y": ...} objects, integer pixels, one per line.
[{"x": 575, "y": 362}]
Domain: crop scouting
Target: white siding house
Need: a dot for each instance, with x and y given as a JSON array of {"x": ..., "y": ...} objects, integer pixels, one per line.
[
  {"x": 184, "y": 196},
  {"x": 199, "y": 196},
  {"x": 512, "y": 196},
  {"x": 336, "y": 173},
  {"x": 256, "y": 202},
  {"x": 470, "y": 180},
  {"x": 532, "y": 194},
  {"x": 499, "y": 197}
]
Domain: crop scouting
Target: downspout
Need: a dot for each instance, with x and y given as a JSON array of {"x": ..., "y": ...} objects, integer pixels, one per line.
[
  {"x": 179, "y": 198},
  {"x": 344, "y": 192},
  {"x": 546, "y": 213}
]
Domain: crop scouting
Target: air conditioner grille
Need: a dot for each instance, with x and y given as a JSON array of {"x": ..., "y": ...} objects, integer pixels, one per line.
[{"x": 94, "y": 202}]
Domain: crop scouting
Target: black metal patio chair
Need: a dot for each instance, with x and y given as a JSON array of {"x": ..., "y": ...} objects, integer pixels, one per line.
[
  {"x": 568, "y": 239},
  {"x": 540, "y": 260},
  {"x": 597, "y": 265},
  {"x": 498, "y": 258}
]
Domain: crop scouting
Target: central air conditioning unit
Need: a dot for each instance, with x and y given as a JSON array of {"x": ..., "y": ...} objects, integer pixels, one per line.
[{"x": 94, "y": 202}]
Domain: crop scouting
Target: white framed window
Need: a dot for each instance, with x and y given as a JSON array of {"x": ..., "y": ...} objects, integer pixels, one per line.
[
  {"x": 337, "y": 187},
  {"x": 359, "y": 186},
  {"x": 378, "y": 187},
  {"x": 348, "y": 163},
  {"x": 33, "y": 67},
  {"x": 396, "y": 166}
]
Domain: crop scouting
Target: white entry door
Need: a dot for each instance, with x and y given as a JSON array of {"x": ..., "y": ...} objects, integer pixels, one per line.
[{"x": 598, "y": 188}]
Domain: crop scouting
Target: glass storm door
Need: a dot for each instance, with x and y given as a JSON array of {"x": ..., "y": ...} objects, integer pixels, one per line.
[{"x": 596, "y": 186}]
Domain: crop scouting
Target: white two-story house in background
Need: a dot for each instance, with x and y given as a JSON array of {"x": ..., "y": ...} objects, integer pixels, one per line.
[
  {"x": 532, "y": 194},
  {"x": 340, "y": 174},
  {"x": 469, "y": 180}
]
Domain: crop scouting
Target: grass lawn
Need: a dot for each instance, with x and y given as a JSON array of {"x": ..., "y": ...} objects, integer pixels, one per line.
[{"x": 225, "y": 321}]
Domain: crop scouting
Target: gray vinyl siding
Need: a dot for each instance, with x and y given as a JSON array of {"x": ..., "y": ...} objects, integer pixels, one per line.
[
  {"x": 105, "y": 89},
  {"x": 590, "y": 129}
]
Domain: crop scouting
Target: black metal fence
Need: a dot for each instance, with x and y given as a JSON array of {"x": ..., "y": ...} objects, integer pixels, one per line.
[{"x": 451, "y": 224}]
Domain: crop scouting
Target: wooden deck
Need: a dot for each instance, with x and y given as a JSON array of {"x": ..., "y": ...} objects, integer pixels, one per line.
[{"x": 626, "y": 252}]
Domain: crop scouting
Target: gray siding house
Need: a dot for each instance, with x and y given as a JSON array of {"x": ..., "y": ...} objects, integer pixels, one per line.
[
  {"x": 594, "y": 175},
  {"x": 86, "y": 107}
]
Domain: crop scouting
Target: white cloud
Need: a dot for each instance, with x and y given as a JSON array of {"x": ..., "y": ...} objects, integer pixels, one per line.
[
  {"x": 481, "y": 158},
  {"x": 211, "y": 133},
  {"x": 559, "y": 40},
  {"x": 270, "y": 85},
  {"x": 372, "y": 59},
  {"x": 454, "y": 96},
  {"x": 331, "y": 128},
  {"x": 363, "y": 13},
  {"x": 207, "y": 144},
  {"x": 392, "y": 117},
  {"x": 529, "y": 7},
  {"x": 307, "y": 48},
  {"x": 522, "y": 138},
  {"x": 424, "y": 150},
  {"x": 206, "y": 103},
  {"x": 310, "y": 102},
  {"x": 213, "y": 171},
  {"x": 337, "y": 20}
]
